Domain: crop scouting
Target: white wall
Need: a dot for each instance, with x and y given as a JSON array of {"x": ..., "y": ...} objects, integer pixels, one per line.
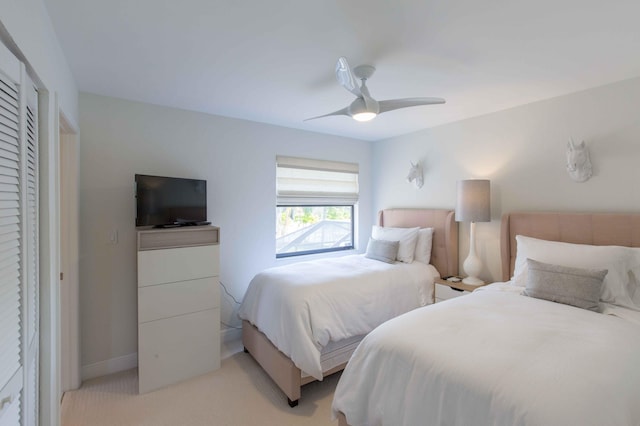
[
  {"x": 522, "y": 151},
  {"x": 236, "y": 157},
  {"x": 29, "y": 27}
]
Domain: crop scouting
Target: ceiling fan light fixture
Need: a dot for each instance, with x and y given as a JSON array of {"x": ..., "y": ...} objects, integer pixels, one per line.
[
  {"x": 364, "y": 107},
  {"x": 361, "y": 110},
  {"x": 364, "y": 116}
]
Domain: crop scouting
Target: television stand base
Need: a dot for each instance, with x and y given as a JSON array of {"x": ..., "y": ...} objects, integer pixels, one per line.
[{"x": 184, "y": 223}]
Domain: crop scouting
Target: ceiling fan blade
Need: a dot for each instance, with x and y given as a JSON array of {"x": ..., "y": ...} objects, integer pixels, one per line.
[
  {"x": 345, "y": 76},
  {"x": 391, "y": 104},
  {"x": 343, "y": 111}
]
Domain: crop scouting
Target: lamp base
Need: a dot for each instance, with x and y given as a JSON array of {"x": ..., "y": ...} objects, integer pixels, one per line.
[
  {"x": 472, "y": 264},
  {"x": 473, "y": 281}
]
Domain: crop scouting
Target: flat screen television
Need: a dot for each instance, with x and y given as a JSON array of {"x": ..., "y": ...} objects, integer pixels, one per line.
[{"x": 167, "y": 201}]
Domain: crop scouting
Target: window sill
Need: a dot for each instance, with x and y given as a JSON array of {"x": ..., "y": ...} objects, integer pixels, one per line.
[{"x": 314, "y": 256}]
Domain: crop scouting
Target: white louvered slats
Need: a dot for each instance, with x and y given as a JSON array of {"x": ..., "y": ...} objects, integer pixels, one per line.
[
  {"x": 11, "y": 401},
  {"x": 30, "y": 399},
  {"x": 30, "y": 257},
  {"x": 10, "y": 231},
  {"x": 32, "y": 222},
  {"x": 19, "y": 275}
]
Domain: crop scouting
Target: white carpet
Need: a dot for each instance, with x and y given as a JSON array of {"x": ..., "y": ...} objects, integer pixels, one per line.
[{"x": 238, "y": 394}]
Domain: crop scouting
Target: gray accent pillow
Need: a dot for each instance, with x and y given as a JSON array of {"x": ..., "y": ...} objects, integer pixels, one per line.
[
  {"x": 382, "y": 250},
  {"x": 571, "y": 286}
]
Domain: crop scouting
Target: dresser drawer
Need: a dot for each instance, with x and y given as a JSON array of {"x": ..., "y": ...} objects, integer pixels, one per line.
[
  {"x": 177, "y": 264},
  {"x": 167, "y": 300},
  {"x": 444, "y": 292},
  {"x": 177, "y": 348}
]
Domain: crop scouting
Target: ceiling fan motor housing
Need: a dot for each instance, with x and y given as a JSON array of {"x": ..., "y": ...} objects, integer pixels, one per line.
[
  {"x": 364, "y": 71},
  {"x": 358, "y": 106}
]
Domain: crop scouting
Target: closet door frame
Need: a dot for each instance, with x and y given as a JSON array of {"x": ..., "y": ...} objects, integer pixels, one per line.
[
  {"x": 52, "y": 122},
  {"x": 30, "y": 263}
]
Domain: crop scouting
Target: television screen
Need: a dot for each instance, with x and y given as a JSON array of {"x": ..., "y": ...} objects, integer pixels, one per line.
[{"x": 170, "y": 201}]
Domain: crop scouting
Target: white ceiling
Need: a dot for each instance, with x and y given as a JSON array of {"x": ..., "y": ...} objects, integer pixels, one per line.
[{"x": 273, "y": 61}]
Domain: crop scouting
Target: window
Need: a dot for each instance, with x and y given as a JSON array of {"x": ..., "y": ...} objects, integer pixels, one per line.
[{"x": 315, "y": 205}]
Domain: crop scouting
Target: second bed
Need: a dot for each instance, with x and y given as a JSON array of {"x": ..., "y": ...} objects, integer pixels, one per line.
[{"x": 302, "y": 322}]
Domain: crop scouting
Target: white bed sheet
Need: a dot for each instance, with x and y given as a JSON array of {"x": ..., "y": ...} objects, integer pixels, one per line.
[
  {"x": 495, "y": 357},
  {"x": 302, "y": 307}
]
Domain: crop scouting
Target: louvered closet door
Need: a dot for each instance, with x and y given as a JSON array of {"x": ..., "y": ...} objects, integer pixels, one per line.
[
  {"x": 31, "y": 282},
  {"x": 11, "y": 379}
]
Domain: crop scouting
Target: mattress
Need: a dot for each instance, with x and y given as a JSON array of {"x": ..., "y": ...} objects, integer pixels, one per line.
[
  {"x": 496, "y": 357},
  {"x": 337, "y": 353}
]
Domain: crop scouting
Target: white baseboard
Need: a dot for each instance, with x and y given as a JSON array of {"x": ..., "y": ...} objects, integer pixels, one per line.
[
  {"x": 110, "y": 366},
  {"x": 229, "y": 334},
  {"x": 230, "y": 342}
]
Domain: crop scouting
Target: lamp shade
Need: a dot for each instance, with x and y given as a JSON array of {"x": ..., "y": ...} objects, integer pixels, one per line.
[{"x": 474, "y": 201}]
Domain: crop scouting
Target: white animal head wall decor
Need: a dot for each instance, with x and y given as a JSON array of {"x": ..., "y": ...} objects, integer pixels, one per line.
[
  {"x": 578, "y": 161},
  {"x": 415, "y": 175}
]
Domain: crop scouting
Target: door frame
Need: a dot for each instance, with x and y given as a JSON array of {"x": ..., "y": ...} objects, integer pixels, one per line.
[
  {"x": 50, "y": 117},
  {"x": 69, "y": 258}
]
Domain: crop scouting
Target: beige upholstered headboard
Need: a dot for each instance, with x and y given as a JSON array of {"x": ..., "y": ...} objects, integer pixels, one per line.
[
  {"x": 598, "y": 229},
  {"x": 444, "y": 251}
]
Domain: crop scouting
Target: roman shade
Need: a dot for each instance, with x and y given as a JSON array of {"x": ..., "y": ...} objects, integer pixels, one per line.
[{"x": 303, "y": 181}]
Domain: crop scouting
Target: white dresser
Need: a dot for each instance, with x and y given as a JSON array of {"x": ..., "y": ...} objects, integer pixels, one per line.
[{"x": 178, "y": 304}]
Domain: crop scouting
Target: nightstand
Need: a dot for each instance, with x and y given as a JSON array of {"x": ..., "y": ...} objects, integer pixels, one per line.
[{"x": 448, "y": 290}]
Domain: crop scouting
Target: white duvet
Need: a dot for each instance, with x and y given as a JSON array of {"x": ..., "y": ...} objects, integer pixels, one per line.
[
  {"x": 495, "y": 357},
  {"x": 303, "y": 306}
]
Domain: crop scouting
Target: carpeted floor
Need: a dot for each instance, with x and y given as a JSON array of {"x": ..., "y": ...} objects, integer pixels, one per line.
[{"x": 238, "y": 394}]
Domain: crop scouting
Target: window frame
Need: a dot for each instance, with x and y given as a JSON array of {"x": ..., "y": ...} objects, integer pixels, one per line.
[
  {"x": 327, "y": 250},
  {"x": 311, "y": 182}
]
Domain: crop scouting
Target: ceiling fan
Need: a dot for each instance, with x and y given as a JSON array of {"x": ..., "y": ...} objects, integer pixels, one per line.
[{"x": 365, "y": 108}]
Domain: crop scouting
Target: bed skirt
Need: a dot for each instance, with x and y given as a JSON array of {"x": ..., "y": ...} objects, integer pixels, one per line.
[{"x": 281, "y": 368}]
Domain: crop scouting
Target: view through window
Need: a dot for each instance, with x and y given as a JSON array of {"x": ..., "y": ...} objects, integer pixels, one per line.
[{"x": 313, "y": 229}]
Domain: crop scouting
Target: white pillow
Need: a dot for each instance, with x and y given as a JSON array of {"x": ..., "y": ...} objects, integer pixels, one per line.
[
  {"x": 423, "y": 245},
  {"x": 407, "y": 238},
  {"x": 619, "y": 261},
  {"x": 633, "y": 286}
]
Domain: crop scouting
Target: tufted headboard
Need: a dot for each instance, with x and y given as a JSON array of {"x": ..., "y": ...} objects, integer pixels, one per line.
[
  {"x": 598, "y": 229},
  {"x": 444, "y": 251}
]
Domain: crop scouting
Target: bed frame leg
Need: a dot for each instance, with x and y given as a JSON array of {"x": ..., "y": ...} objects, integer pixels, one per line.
[{"x": 292, "y": 403}]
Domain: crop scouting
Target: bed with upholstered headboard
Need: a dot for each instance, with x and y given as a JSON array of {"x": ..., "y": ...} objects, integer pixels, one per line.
[
  {"x": 444, "y": 251},
  {"x": 280, "y": 366},
  {"x": 597, "y": 229},
  {"x": 508, "y": 345}
]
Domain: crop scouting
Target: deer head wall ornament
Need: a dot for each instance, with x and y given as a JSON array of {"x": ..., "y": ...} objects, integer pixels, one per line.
[
  {"x": 578, "y": 161},
  {"x": 415, "y": 175}
]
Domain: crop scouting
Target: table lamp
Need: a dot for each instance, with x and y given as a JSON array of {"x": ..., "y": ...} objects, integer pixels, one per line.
[{"x": 473, "y": 205}]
